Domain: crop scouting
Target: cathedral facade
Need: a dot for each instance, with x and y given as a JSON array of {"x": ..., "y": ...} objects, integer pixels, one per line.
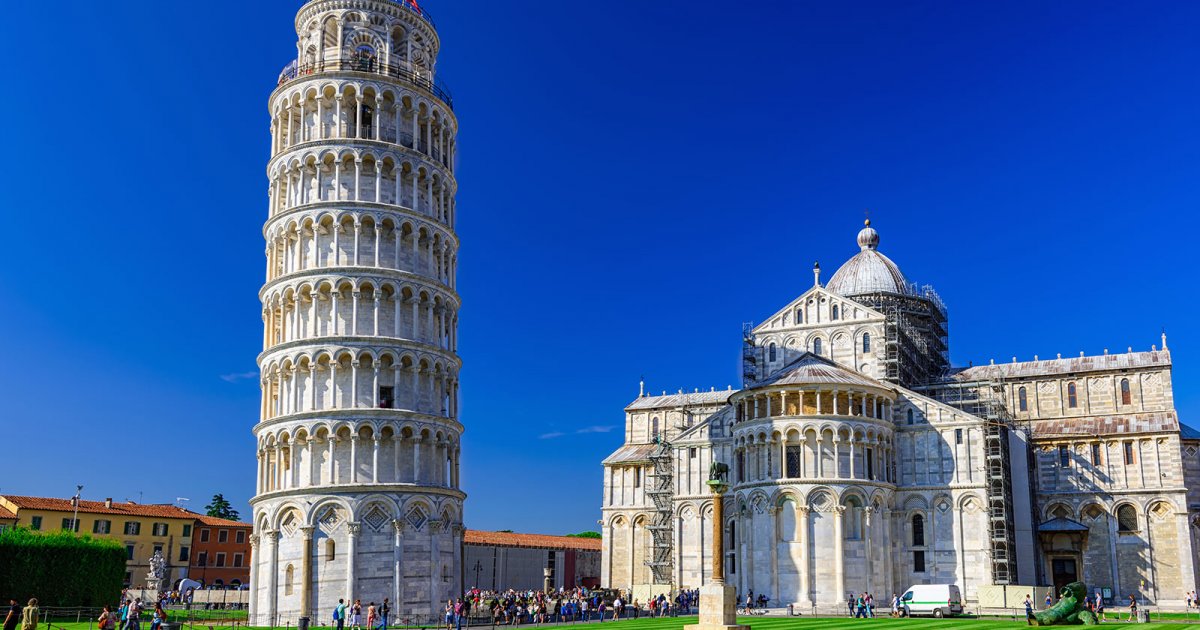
[{"x": 861, "y": 461}]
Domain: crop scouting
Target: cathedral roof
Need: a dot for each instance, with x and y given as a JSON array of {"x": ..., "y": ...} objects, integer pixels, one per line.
[
  {"x": 1046, "y": 367},
  {"x": 811, "y": 369},
  {"x": 868, "y": 271},
  {"x": 715, "y": 397},
  {"x": 1188, "y": 433},
  {"x": 630, "y": 454}
]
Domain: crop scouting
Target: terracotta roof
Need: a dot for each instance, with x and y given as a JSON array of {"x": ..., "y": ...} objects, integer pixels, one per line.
[
  {"x": 505, "y": 539},
  {"x": 5, "y": 515},
  {"x": 1105, "y": 425},
  {"x": 98, "y": 507},
  {"x": 213, "y": 521}
]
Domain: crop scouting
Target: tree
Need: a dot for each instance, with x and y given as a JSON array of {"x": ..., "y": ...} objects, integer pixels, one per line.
[
  {"x": 220, "y": 508},
  {"x": 585, "y": 535},
  {"x": 60, "y": 568}
]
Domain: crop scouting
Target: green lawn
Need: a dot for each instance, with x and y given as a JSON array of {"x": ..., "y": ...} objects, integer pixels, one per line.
[{"x": 756, "y": 623}]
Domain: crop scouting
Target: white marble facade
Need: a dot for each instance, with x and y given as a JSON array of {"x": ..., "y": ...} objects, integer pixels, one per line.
[
  {"x": 847, "y": 481},
  {"x": 358, "y": 439}
]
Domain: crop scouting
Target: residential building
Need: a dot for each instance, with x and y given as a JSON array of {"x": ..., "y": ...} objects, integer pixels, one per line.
[
  {"x": 220, "y": 552},
  {"x": 504, "y": 560},
  {"x": 142, "y": 529}
]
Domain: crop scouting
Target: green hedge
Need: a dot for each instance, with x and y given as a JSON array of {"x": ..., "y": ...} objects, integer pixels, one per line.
[{"x": 60, "y": 568}]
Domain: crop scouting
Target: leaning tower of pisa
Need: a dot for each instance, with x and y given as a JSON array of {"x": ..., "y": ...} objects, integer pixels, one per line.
[{"x": 358, "y": 437}]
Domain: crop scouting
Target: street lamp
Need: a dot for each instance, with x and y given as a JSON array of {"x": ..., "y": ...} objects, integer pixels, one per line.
[{"x": 75, "y": 516}]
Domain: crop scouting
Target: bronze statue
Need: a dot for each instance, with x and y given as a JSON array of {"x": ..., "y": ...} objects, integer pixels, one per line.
[
  {"x": 718, "y": 472},
  {"x": 1070, "y": 609}
]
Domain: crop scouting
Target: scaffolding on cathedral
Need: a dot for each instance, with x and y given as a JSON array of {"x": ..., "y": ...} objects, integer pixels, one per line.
[
  {"x": 915, "y": 337},
  {"x": 662, "y": 532},
  {"x": 985, "y": 399}
]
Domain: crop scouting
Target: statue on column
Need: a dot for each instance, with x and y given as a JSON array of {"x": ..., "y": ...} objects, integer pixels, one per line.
[{"x": 718, "y": 471}]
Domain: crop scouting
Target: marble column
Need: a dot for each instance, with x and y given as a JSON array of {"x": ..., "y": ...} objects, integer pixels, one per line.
[
  {"x": 352, "y": 531},
  {"x": 839, "y": 559},
  {"x": 802, "y": 521},
  {"x": 306, "y": 533}
]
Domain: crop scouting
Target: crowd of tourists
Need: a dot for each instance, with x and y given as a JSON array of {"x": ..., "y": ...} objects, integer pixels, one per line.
[
  {"x": 517, "y": 607},
  {"x": 351, "y": 615}
]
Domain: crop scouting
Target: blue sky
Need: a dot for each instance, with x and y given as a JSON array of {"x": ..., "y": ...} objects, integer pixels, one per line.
[{"x": 636, "y": 180}]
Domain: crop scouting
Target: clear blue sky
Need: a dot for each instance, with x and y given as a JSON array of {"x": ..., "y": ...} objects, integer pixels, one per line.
[{"x": 637, "y": 179}]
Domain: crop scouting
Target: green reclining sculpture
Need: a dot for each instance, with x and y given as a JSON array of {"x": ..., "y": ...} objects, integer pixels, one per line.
[{"x": 1070, "y": 610}]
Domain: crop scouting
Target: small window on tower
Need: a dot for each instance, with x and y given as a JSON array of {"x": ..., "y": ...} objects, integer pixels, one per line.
[
  {"x": 1096, "y": 454},
  {"x": 910, "y": 416},
  {"x": 834, "y": 314},
  {"x": 1022, "y": 400},
  {"x": 958, "y": 436},
  {"x": 1072, "y": 396},
  {"x": 387, "y": 397},
  {"x": 817, "y": 347},
  {"x": 1128, "y": 453},
  {"x": 771, "y": 352},
  {"x": 1126, "y": 396},
  {"x": 1064, "y": 457},
  {"x": 866, "y": 343}
]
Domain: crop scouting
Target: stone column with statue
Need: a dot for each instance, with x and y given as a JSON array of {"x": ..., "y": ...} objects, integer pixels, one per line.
[{"x": 718, "y": 600}]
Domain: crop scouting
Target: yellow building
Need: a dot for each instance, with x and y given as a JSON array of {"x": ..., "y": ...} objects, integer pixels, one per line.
[{"x": 142, "y": 529}]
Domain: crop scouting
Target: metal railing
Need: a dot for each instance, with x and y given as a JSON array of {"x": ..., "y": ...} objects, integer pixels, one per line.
[
  {"x": 412, "y": 7},
  {"x": 371, "y": 65}
]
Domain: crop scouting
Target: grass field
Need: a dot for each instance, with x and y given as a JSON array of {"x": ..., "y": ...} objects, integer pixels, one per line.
[{"x": 757, "y": 623}]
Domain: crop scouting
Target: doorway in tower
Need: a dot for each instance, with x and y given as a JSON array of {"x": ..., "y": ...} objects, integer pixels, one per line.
[{"x": 1063, "y": 571}]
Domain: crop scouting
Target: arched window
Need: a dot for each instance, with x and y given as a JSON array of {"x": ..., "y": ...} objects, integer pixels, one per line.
[
  {"x": 910, "y": 416},
  {"x": 330, "y": 549},
  {"x": 853, "y": 519},
  {"x": 817, "y": 347},
  {"x": 866, "y": 342},
  {"x": 1127, "y": 519},
  {"x": 799, "y": 316},
  {"x": 289, "y": 576},
  {"x": 771, "y": 352},
  {"x": 1022, "y": 400},
  {"x": 835, "y": 312},
  {"x": 1126, "y": 397},
  {"x": 918, "y": 530},
  {"x": 654, "y": 429},
  {"x": 1072, "y": 396}
]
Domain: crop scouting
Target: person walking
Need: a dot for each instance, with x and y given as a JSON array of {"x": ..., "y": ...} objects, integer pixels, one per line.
[
  {"x": 1049, "y": 600},
  {"x": 356, "y": 615},
  {"x": 459, "y": 613},
  {"x": 371, "y": 619},
  {"x": 448, "y": 614},
  {"x": 14, "y": 615},
  {"x": 1132, "y": 609},
  {"x": 384, "y": 610},
  {"x": 339, "y": 614},
  {"x": 107, "y": 620},
  {"x": 159, "y": 617},
  {"x": 850, "y": 605},
  {"x": 29, "y": 615},
  {"x": 1028, "y": 610},
  {"x": 1099, "y": 607}
]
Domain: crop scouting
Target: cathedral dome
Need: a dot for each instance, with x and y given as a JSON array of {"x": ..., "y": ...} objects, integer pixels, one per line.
[{"x": 868, "y": 271}]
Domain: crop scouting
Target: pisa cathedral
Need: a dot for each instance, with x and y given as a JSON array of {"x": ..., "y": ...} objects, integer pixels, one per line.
[
  {"x": 358, "y": 437},
  {"x": 860, "y": 460}
]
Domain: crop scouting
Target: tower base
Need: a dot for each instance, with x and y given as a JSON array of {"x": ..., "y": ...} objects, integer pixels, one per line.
[{"x": 718, "y": 609}]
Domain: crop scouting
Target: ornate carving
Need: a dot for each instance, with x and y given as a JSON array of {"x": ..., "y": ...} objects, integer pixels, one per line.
[{"x": 354, "y": 529}]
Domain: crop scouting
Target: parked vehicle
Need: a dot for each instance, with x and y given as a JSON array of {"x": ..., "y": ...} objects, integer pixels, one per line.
[{"x": 939, "y": 600}]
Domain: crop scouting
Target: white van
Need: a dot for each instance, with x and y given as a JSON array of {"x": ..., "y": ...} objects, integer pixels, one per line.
[{"x": 938, "y": 600}]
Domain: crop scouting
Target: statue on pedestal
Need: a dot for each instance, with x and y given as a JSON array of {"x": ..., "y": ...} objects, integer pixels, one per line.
[
  {"x": 158, "y": 571},
  {"x": 718, "y": 605}
]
